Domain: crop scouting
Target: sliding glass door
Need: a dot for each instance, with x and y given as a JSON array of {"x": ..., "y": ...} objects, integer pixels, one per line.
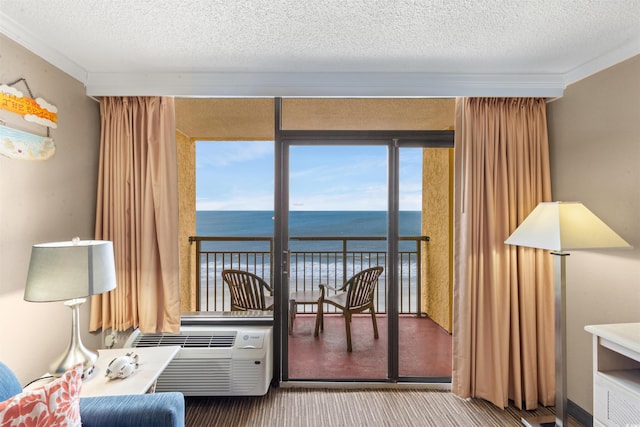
[
  {"x": 337, "y": 228},
  {"x": 346, "y": 206}
]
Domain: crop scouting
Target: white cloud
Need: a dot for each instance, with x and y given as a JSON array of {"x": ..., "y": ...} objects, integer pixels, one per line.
[
  {"x": 411, "y": 202},
  {"x": 232, "y": 152},
  {"x": 44, "y": 104},
  {"x": 348, "y": 199},
  {"x": 39, "y": 120},
  {"x": 10, "y": 91},
  {"x": 238, "y": 202}
]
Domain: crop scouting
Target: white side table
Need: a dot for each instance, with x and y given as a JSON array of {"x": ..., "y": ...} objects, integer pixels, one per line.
[
  {"x": 616, "y": 374},
  {"x": 152, "y": 361}
]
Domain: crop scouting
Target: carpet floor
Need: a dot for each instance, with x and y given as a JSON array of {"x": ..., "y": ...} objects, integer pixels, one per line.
[{"x": 298, "y": 407}]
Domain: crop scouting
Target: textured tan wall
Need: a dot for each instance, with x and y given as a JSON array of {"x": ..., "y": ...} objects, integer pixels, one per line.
[
  {"x": 226, "y": 118},
  {"x": 367, "y": 114},
  {"x": 437, "y": 223},
  {"x": 247, "y": 119},
  {"x": 187, "y": 215}
]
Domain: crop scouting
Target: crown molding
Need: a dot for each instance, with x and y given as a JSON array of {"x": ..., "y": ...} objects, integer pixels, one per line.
[
  {"x": 26, "y": 39},
  {"x": 615, "y": 56},
  {"x": 324, "y": 84}
]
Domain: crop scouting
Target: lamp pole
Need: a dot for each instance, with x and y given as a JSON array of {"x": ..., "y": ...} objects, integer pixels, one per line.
[{"x": 560, "y": 291}]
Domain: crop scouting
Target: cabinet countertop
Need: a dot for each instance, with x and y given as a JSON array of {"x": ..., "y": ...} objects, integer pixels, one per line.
[{"x": 624, "y": 334}]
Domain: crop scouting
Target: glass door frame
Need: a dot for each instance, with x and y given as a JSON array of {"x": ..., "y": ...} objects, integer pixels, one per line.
[{"x": 393, "y": 140}]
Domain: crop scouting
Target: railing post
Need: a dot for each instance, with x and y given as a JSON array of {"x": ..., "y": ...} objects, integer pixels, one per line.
[
  {"x": 424, "y": 239},
  {"x": 271, "y": 261},
  {"x": 419, "y": 278},
  {"x": 198, "y": 278},
  {"x": 344, "y": 262}
]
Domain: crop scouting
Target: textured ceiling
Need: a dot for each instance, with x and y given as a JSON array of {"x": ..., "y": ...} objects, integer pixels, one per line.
[{"x": 300, "y": 36}]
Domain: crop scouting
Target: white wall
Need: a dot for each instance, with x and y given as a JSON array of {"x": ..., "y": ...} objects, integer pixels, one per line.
[
  {"x": 594, "y": 134},
  {"x": 42, "y": 201}
]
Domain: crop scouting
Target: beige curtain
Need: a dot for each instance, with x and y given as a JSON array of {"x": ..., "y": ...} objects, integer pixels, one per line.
[
  {"x": 503, "y": 331},
  {"x": 137, "y": 209}
]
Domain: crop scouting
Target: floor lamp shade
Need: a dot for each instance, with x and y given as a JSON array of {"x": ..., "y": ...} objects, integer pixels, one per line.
[
  {"x": 559, "y": 227},
  {"x": 70, "y": 271},
  {"x": 563, "y": 226},
  {"x": 61, "y": 271}
]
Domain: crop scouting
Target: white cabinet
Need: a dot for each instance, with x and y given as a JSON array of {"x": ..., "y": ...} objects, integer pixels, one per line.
[{"x": 616, "y": 374}]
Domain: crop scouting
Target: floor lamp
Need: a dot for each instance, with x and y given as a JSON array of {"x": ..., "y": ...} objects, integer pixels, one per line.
[
  {"x": 70, "y": 271},
  {"x": 559, "y": 227}
]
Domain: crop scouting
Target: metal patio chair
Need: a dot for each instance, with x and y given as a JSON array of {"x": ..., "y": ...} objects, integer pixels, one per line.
[
  {"x": 355, "y": 296},
  {"x": 248, "y": 291}
]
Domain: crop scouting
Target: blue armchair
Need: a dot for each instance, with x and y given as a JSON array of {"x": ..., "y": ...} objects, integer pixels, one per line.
[{"x": 156, "y": 409}]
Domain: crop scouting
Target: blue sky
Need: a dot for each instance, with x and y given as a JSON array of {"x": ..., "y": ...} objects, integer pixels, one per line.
[{"x": 233, "y": 175}]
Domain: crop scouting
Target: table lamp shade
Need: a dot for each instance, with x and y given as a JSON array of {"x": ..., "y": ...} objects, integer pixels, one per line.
[
  {"x": 562, "y": 226},
  {"x": 62, "y": 271}
]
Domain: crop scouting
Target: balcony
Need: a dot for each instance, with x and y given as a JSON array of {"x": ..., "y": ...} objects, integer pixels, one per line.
[{"x": 425, "y": 348}]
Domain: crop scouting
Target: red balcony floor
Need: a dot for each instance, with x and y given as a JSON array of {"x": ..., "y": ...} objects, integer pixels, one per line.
[{"x": 424, "y": 350}]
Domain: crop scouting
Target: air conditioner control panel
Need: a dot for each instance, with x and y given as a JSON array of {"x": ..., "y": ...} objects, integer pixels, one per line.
[{"x": 250, "y": 338}]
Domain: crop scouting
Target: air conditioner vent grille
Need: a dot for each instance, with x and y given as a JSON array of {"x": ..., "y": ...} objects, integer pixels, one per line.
[
  {"x": 208, "y": 361},
  {"x": 207, "y": 340}
]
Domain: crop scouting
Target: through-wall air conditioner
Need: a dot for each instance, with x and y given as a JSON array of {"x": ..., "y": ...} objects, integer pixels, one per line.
[{"x": 214, "y": 360}]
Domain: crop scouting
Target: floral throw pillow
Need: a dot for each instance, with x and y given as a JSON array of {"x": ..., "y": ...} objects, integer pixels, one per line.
[{"x": 54, "y": 404}]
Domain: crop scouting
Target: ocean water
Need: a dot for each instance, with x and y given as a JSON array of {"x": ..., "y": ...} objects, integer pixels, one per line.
[
  {"x": 306, "y": 268},
  {"x": 304, "y": 223}
]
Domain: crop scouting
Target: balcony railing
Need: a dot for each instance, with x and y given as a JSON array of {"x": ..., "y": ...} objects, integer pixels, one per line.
[{"x": 331, "y": 261}]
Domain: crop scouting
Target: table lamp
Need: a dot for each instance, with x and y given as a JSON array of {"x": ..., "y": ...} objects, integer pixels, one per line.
[
  {"x": 559, "y": 227},
  {"x": 70, "y": 271}
]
